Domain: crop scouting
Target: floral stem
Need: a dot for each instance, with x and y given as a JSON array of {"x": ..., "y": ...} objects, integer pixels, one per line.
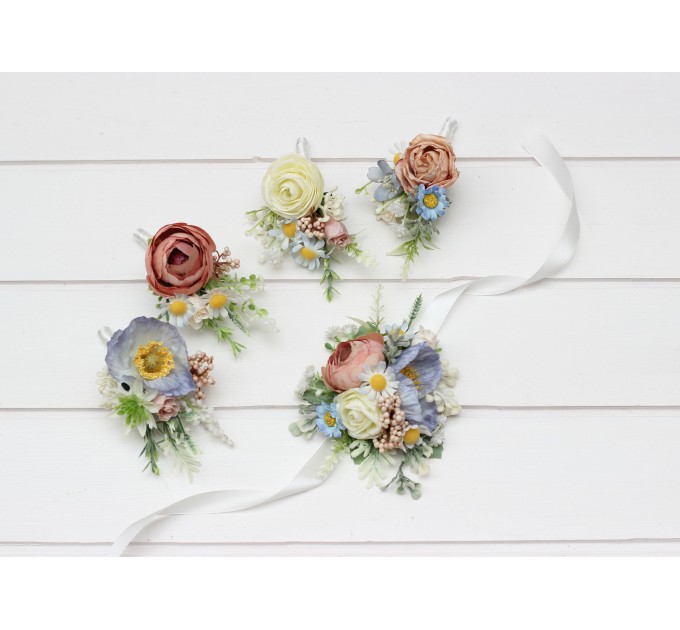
[{"x": 329, "y": 277}]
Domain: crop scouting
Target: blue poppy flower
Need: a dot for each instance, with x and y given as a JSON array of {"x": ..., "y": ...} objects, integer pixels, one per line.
[
  {"x": 420, "y": 365},
  {"x": 410, "y": 401},
  {"x": 390, "y": 186},
  {"x": 151, "y": 351},
  {"x": 431, "y": 202},
  {"x": 328, "y": 420},
  {"x": 416, "y": 409}
]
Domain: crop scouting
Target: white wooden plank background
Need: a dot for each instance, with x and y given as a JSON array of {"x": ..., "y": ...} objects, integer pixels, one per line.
[{"x": 569, "y": 438}]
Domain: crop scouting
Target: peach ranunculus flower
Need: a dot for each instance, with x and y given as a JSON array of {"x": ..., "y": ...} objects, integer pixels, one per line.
[
  {"x": 350, "y": 359},
  {"x": 336, "y": 233},
  {"x": 179, "y": 259},
  {"x": 428, "y": 160}
]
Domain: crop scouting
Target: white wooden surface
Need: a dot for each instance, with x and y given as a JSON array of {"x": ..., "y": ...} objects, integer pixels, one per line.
[{"x": 569, "y": 439}]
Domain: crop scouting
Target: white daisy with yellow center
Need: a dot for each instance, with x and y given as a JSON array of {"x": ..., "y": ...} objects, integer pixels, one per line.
[
  {"x": 413, "y": 436},
  {"x": 179, "y": 309},
  {"x": 285, "y": 233},
  {"x": 378, "y": 381},
  {"x": 217, "y": 302},
  {"x": 309, "y": 252}
]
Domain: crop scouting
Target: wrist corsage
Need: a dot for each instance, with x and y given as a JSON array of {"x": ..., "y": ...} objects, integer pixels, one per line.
[
  {"x": 412, "y": 190},
  {"x": 303, "y": 220},
  {"x": 152, "y": 383},
  {"x": 195, "y": 285},
  {"x": 383, "y": 397}
]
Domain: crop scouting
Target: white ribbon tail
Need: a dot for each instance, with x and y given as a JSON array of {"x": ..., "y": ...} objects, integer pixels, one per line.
[
  {"x": 105, "y": 334},
  {"x": 547, "y": 156},
  {"x": 225, "y": 501}
]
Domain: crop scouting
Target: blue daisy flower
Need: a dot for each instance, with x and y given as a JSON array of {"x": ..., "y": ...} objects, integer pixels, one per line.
[
  {"x": 431, "y": 202},
  {"x": 151, "y": 351},
  {"x": 328, "y": 420}
]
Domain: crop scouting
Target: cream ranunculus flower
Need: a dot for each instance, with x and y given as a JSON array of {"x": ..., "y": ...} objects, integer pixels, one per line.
[
  {"x": 292, "y": 186},
  {"x": 359, "y": 414}
]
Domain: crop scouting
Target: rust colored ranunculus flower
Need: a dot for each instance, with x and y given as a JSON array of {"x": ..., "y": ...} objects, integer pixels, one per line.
[
  {"x": 350, "y": 359},
  {"x": 428, "y": 160},
  {"x": 179, "y": 259}
]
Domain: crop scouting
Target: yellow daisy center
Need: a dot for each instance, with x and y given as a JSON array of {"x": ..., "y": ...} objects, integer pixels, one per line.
[
  {"x": 289, "y": 230},
  {"x": 308, "y": 253},
  {"x": 412, "y": 436},
  {"x": 397, "y": 157},
  {"x": 178, "y": 307},
  {"x": 153, "y": 360},
  {"x": 411, "y": 373},
  {"x": 217, "y": 300},
  {"x": 329, "y": 419},
  {"x": 378, "y": 382},
  {"x": 430, "y": 200}
]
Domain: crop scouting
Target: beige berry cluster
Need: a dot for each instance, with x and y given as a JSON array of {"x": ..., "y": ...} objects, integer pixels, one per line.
[
  {"x": 312, "y": 226},
  {"x": 224, "y": 262},
  {"x": 201, "y": 365},
  {"x": 393, "y": 422}
]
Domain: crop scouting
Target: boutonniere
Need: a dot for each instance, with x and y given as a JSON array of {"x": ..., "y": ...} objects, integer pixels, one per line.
[
  {"x": 154, "y": 386},
  {"x": 303, "y": 219},
  {"x": 383, "y": 397},
  {"x": 411, "y": 192},
  {"x": 197, "y": 285}
]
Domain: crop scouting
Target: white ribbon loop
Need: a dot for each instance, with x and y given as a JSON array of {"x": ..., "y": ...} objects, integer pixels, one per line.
[
  {"x": 105, "y": 334},
  {"x": 302, "y": 148},
  {"x": 546, "y": 155},
  {"x": 142, "y": 237},
  {"x": 448, "y": 128},
  {"x": 224, "y": 501}
]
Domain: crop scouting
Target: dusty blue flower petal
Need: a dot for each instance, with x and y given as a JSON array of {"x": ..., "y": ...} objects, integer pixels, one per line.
[
  {"x": 429, "y": 415},
  {"x": 410, "y": 404},
  {"x": 385, "y": 167},
  {"x": 396, "y": 183},
  {"x": 382, "y": 193},
  {"x": 123, "y": 345},
  {"x": 375, "y": 174},
  {"x": 425, "y": 361}
]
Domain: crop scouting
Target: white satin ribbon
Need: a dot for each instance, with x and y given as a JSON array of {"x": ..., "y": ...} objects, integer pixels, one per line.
[
  {"x": 546, "y": 155},
  {"x": 142, "y": 237},
  {"x": 448, "y": 128},
  {"x": 302, "y": 148},
  {"x": 225, "y": 501},
  {"x": 105, "y": 334}
]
